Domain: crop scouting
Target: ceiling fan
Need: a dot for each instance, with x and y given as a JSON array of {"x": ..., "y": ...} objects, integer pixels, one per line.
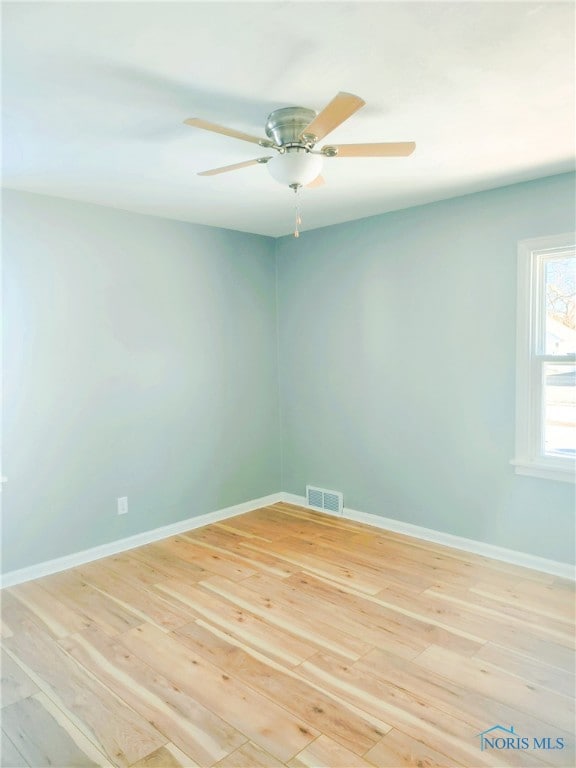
[{"x": 293, "y": 133}]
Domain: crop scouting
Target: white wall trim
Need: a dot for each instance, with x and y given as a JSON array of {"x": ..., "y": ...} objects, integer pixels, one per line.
[
  {"x": 563, "y": 473},
  {"x": 554, "y": 567},
  {"x": 11, "y": 578}
]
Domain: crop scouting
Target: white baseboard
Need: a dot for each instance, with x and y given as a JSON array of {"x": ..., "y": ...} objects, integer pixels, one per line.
[
  {"x": 554, "y": 567},
  {"x": 11, "y": 578},
  {"x": 48, "y": 567}
]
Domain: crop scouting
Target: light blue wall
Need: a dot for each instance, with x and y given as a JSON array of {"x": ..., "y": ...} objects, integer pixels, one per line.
[
  {"x": 397, "y": 366},
  {"x": 140, "y": 361}
]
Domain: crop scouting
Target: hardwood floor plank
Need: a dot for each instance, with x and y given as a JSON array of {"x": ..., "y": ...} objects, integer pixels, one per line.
[
  {"x": 256, "y": 561},
  {"x": 379, "y": 634},
  {"x": 463, "y": 618},
  {"x": 397, "y": 750},
  {"x": 40, "y": 739},
  {"x": 415, "y": 628},
  {"x": 155, "y": 556},
  {"x": 247, "y": 534},
  {"x": 325, "y": 753},
  {"x": 522, "y": 617},
  {"x": 420, "y": 548},
  {"x": 456, "y": 700},
  {"x": 407, "y": 712},
  {"x": 185, "y": 722},
  {"x": 221, "y": 535},
  {"x": 48, "y": 610},
  {"x": 260, "y": 719},
  {"x": 122, "y": 735},
  {"x": 432, "y": 565},
  {"x": 547, "y": 601},
  {"x": 556, "y": 591},
  {"x": 5, "y": 630},
  {"x": 254, "y": 526},
  {"x": 279, "y": 644},
  {"x": 148, "y": 605},
  {"x": 249, "y": 756},
  {"x": 168, "y": 756},
  {"x": 322, "y": 635},
  {"x": 215, "y": 563},
  {"x": 79, "y": 596},
  {"x": 9, "y": 755},
  {"x": 379, "y": 726},
  {"x": 555, "y": 709},
  {"x": 288, "y": 511},
  {"x": 387, "y": 560},
  {"x": 531, "y": 670},
  {"x": 329, "y": 570},
  {"x": 288, "y": 637},
  {"x": 17, "y": 615},
  {"x": 15, "y": 683},
  {"x": 342, "y": 723},
  {"x": 83, "y": 743},
  {"x": 137, "y": 572},
  {"x": 478, "y": 565}
]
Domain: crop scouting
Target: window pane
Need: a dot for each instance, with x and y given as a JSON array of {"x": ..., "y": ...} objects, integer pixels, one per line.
[
  {"x": 560, "y": 281},
  {"x": 560, "y": 409}
]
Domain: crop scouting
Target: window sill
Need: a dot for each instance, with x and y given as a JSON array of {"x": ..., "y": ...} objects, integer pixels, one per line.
[{"x": 545, "y": 470}]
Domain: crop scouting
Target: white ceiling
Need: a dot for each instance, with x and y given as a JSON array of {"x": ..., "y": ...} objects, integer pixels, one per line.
[{"x": 94, "y": 95}]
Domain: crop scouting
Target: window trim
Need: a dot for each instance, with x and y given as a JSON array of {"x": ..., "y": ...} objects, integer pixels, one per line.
[{"x": 529, "y": 458}]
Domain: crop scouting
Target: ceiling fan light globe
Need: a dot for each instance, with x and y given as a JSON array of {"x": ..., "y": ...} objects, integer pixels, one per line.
[{"x": 295, "y": 166}]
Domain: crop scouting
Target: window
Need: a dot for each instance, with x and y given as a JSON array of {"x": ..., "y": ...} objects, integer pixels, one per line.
[{"x": 546, "y": 358}]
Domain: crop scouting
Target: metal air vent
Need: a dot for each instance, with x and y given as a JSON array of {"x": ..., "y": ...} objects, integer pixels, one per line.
[{"x": 324, "y": 500}]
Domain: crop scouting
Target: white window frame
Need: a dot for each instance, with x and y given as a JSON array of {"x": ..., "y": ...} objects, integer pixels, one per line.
[{"x": 530, "y": 457}]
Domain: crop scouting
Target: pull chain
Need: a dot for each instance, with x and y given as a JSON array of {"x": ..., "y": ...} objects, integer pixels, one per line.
[{"x": 298, "y": 218}]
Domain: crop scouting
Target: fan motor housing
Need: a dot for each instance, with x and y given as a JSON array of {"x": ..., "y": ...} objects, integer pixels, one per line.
[{"x": 285, "y": 126}]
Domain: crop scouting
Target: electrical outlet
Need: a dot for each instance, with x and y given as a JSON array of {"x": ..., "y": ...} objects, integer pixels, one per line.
[{"x": 122, "y": 505}]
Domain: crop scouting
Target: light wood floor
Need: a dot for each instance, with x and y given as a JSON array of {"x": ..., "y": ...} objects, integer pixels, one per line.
[{"x": 284, "y": 637}]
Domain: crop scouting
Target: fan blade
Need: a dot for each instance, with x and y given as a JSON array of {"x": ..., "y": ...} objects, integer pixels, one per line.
[
  {"x": 342, "y": 106},
  {"x": 319, "y": 181},
  {"x": 386, "y": 149},
  {"x": 235, "y": 167},
  {"x": 197, "y": 122}
]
